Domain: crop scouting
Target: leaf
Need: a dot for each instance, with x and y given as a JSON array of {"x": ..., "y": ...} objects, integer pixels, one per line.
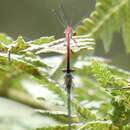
[
  {"x": 126, "y": 30},
  {"x": 53, "y": 86},
  {"x": 101, "y": 73},
  {"x": 106, "y": 36},
  {"x": 43, "y": 40},
  {"x": 121, "y": 111},
  {"x": 21, "y": 65},
  {"x": 19, "y": 45},
  {"x": 84, "y": 112},
  {"x": 61, "y": 116},
  {"x": 98, "y": 125},
  {"x": 3, "y": 47},
  {"x": 5, "y": 39},
  {"x": 106, "y": 77},
  {"x": 35, "y": 61}
]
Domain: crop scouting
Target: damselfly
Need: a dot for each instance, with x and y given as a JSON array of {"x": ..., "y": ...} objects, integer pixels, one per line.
[
  {"x": 66, "y": 46},
  {"x": 68, "y": 71}
]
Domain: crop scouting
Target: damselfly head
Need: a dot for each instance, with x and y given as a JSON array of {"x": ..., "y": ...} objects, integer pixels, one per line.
[{"x": 68, "y": 30}]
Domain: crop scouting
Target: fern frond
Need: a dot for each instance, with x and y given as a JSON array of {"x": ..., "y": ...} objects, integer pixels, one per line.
[
  {"x": 26, "y": 62},
  {"x": 126, "y": 29},
  {"x": 121, "y": 111},
  {"x": 7, "y": 40},
  {"x": 84, "y": 112},
  {"x": 43, "y": 40},
  {"x": 104, "y": 21},
  {"x": 106, "y": 77},
  {"x": 61, "y": 116},
  {"x": 19, "y": 45},
  {"x": 21, "y": 65}
]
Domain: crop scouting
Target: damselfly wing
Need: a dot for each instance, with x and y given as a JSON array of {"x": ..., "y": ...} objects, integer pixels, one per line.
[{"x": 59, "y": 46}]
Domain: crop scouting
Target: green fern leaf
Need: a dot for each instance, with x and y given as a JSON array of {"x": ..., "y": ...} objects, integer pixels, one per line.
[
  {"x": 106, "y": 77},
  {"x": 104, "y": 21},
  {"x": 35, "y": 61},
  {"x": 84, "y": 112},
  {"x": 19, "y": 45},
  {"x": 126, "y": 30},
  {"x": 3, "y": 47},
  {"x": 101, "y": 73},
  {"x": 5, "y": 39},
  {"x": 21, "y": 65},
  {"x": 43, "y": 40},
  {"x": 121, "y": 109},
  {"x": 61, "y": 116}
]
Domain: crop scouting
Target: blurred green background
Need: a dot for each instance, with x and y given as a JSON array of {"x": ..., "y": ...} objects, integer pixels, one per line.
[{"x": 34, "y": 18}]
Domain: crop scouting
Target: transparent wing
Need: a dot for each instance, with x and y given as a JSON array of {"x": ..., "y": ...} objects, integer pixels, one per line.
[{"x": 59, "y": 46}]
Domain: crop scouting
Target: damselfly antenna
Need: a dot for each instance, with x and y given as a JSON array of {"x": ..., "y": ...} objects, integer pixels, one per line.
[
  {"x": 63, "y": 15},
  {"x": 59, "y": 18}
]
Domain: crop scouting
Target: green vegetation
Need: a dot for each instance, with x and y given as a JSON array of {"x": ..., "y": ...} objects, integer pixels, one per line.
[{"x": 99, "y": 100}]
